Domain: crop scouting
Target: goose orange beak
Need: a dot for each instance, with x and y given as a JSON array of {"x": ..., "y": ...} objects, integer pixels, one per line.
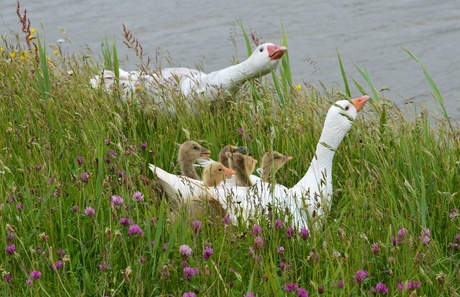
[
  {"x": 228, "y": 172},
  {"x": 275, "y": 52},
  {"x": 360, "y": 102}
]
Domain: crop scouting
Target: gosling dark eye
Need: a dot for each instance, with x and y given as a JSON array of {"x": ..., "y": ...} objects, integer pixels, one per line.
[
  {"x": 195, "y": 148},
  {"x": 220, "y": 169},
  {"x": 347, "y": 107},
  {"x": 261, "y": 49}
]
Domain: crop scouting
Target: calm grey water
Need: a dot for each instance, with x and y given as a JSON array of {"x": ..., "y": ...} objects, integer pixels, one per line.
[{"x": 369, "y": 33}]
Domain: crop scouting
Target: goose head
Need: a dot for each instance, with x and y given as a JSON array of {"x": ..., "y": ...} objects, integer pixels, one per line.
[
  {"x": 271, "y": 163},
  {"x": 244, "y": 166},
  {"x": 266, "y": 57},
  {"x": 341, "y": 116},
  {"x": 189, "y": 151},
  {"x": 231, "y": 149},
  {"x": 215, "y": 173}
]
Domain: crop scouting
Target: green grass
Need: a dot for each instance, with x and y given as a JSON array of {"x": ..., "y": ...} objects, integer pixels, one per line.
[{"x": 389, "y": 174}]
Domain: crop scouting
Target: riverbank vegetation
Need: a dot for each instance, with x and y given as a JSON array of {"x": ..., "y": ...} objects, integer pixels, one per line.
[{"x": 80, "y": 215}]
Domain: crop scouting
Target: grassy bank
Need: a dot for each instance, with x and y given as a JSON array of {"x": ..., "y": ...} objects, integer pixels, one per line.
[{"x": 67, "y": 149}]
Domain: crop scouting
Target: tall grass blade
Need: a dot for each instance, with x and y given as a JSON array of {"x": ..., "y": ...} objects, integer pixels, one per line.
[
  {"x": 344, "y": 75},
  {"x": 367, "y": 78},
  {"x": 42, "y": 75},
  {"x": 436, "y": 92}
]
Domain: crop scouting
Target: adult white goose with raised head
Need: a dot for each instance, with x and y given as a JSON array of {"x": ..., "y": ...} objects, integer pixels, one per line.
[
  {"x": 312, "y": 195},
  {"x": 190, "y": 82}
]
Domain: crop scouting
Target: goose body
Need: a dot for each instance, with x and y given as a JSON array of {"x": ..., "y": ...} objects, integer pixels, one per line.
[
  {"x": 195, "y": 195},
  {"x": 190, "y": 82}
]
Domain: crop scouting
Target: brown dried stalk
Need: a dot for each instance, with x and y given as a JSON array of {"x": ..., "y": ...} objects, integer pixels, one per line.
[
  {"x": 133, "y": 43},
  {"x": 26, "y": 30}
]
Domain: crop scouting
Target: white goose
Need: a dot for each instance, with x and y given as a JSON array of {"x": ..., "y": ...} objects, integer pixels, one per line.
[
  {"x": 312, "y": 195},
  {"x": 191, "y": 81}
]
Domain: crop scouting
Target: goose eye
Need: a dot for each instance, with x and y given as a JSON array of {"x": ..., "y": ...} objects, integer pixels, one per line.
[
  {"x": 261, "y": 49},
  {"x": 347, "y": 107},
  {"x": 195, "y": 148},
  {"x": 220, "y": 169}
]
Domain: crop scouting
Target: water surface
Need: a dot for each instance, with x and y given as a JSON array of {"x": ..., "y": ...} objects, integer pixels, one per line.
[{"x": 203, "y": 32}]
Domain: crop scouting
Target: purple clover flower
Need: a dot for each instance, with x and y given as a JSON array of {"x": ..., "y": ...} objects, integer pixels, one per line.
[
  {"x": 289, "y": 232},
  {"x": 249, "y": 294},
  {"x": 425, "y": 236},
  {"x": 361, "y": 275},
  {"x": 258, "y": 243},
  {"x": 291, "y": 287},
  {"x": 85, "y": 176},
  {"x": 125, "y": 221},
  {"x": 207, "y": 253},
  {"x": 413, "y": 285},
  {"x": 80, "y": 160},
  {"x": 302, "y": 292},
  {"x": 375, "y": 248},
  {"x": 138, "y": 197},
  {"x": 89, "y": 211},
  {"x": 104, "y": 266},
  {"x": 185, "y": 251},
  {"x": 11, "y": 249},
  {"x": 280, "y": 250},
  {"x": 190, "y": 272},
  {"x": 304, "y": 232},
  {"x": 256, "y": 230},
  {"x": 226, "y": 220},
  {"x": 278, "y": 224},
  {"x": 381, "y": 289},
  {"x": 197, "y": 226},
  {"x": 35, "y": 274},
  {"x": 116, "y": 201},
  {"x": 135, "y": 229},
  {"x": 189, "y": 294},
  {"x": 58, "y": 265}
]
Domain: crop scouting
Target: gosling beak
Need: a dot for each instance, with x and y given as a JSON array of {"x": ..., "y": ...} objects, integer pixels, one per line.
[
  {"x": 228, "y": 172},
  {"x": 205, "y": 152}
]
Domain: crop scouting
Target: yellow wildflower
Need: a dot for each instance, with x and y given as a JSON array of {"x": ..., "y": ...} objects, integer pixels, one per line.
[
  {"x": 1, "y": 49},
  {"x": 24, "y": 55},
  {"x": 298, "y": 87},
  {"x": 55, "y": 52},
  {"x": 12, "y": 55},
  {"x": 138, "y": 88},
  {"x": 33, "y": 30}
]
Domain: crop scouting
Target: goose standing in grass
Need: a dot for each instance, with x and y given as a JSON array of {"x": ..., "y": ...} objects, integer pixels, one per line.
[
  {"x": 189, "y": 152},
  {"x": 190, "y": 82},
  {"x": 311, "y": 196}
]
